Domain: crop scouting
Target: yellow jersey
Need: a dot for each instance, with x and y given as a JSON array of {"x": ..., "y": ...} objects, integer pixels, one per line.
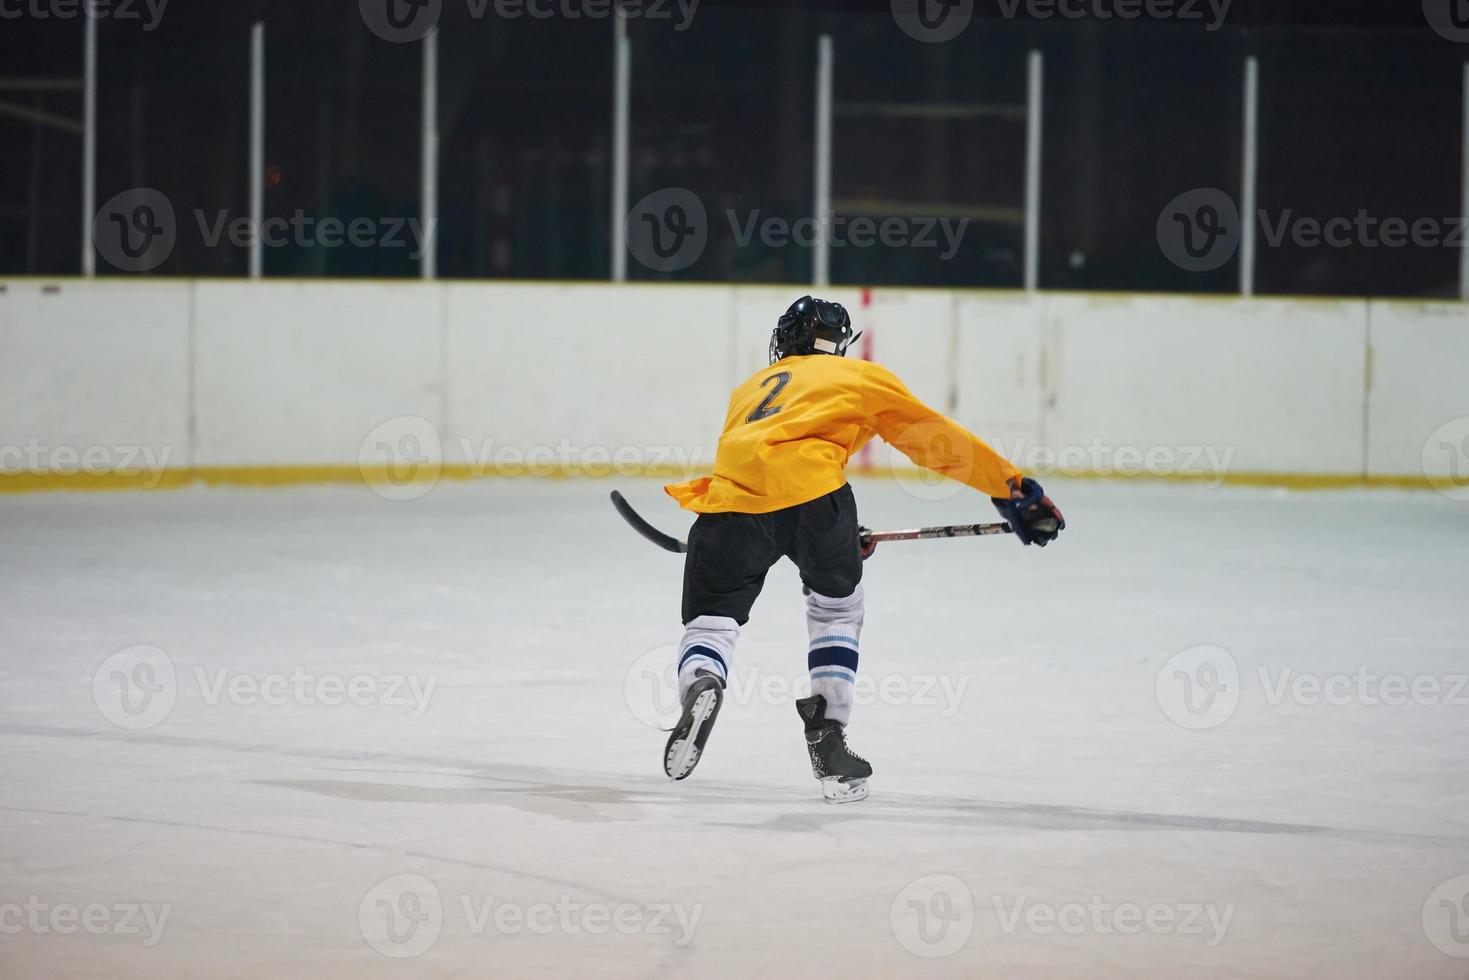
[{"x": 792, "y": 427}]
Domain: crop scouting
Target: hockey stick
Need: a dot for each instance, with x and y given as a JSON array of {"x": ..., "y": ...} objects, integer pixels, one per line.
[
  {"x": 943, "y": 531},
  {"x": 665, "y": 541},
  {"x": 669, "y": 543}
]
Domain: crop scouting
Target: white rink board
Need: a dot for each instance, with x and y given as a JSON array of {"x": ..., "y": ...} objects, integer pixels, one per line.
[
  {"x": 1279, "y": 384},
  {"x": 1420, "y": 389},
  {"x": 913, "y": 334},
  {"x": 1001, "y": 355},
  {"x": 630, "y": 370},
  {"x": 302, "y": 373},
  {"x": 100, "y": 366}
]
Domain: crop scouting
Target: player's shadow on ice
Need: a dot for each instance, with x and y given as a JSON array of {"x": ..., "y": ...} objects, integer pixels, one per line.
[
  {"x": 582, "y": 798},
  {"x": 578, "y": 804},
  {"x": 590, "y": 803}
]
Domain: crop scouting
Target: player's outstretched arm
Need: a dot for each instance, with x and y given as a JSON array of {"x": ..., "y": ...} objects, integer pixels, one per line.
[
  {"x": 930, "y": 439},
  {"x": 942, "y": 445}
]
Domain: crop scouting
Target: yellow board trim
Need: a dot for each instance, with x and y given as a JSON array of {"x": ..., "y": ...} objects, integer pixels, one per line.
[
  {"x": 792, "y": 287},
  {"x": 285, "y": 476}
]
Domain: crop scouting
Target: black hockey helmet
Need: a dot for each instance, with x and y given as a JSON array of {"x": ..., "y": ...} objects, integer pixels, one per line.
[{"x": 812, "y": 326}]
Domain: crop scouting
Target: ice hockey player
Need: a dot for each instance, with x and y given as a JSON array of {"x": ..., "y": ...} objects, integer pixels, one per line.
[{"x": 779, "y": 489}]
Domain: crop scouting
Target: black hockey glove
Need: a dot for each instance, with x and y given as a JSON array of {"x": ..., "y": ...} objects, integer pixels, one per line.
[
  {"x": 1030, "y": 512},
  {"x": 867, "y": 546}
]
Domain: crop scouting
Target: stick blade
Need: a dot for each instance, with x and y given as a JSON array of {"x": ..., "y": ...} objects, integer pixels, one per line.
[{"x": 635, "y": 520}]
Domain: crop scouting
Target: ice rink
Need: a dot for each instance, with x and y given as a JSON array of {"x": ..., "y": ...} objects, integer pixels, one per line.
[{"x": 313, "y": 732}]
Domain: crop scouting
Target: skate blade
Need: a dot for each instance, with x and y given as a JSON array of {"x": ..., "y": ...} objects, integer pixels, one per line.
[
  {"x": 683, "y": 754},
  {"x": 836, "y": 791}
]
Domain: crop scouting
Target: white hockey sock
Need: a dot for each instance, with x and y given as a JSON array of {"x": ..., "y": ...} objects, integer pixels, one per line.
[
  {"x": 835, "y": 625},
  {"x": 708, "y": 644}
]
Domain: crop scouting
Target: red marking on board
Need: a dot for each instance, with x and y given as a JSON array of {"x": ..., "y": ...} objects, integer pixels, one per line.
[{"x": 864, "y": 351}]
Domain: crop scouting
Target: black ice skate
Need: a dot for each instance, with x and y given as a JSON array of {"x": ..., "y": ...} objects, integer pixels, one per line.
[
  {"x": 700, "y": 707},
  {"x": 843, "y": 774}
]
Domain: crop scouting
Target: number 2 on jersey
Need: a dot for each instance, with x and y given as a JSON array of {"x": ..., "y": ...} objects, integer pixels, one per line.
[{"x": 765, "y": 409}]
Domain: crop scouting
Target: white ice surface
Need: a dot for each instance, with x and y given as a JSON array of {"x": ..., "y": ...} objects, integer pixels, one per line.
[{"x": 530, "y": 779}]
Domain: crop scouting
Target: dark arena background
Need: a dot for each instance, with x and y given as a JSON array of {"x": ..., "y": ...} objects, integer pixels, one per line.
[{"x": 328, "y": 327}]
